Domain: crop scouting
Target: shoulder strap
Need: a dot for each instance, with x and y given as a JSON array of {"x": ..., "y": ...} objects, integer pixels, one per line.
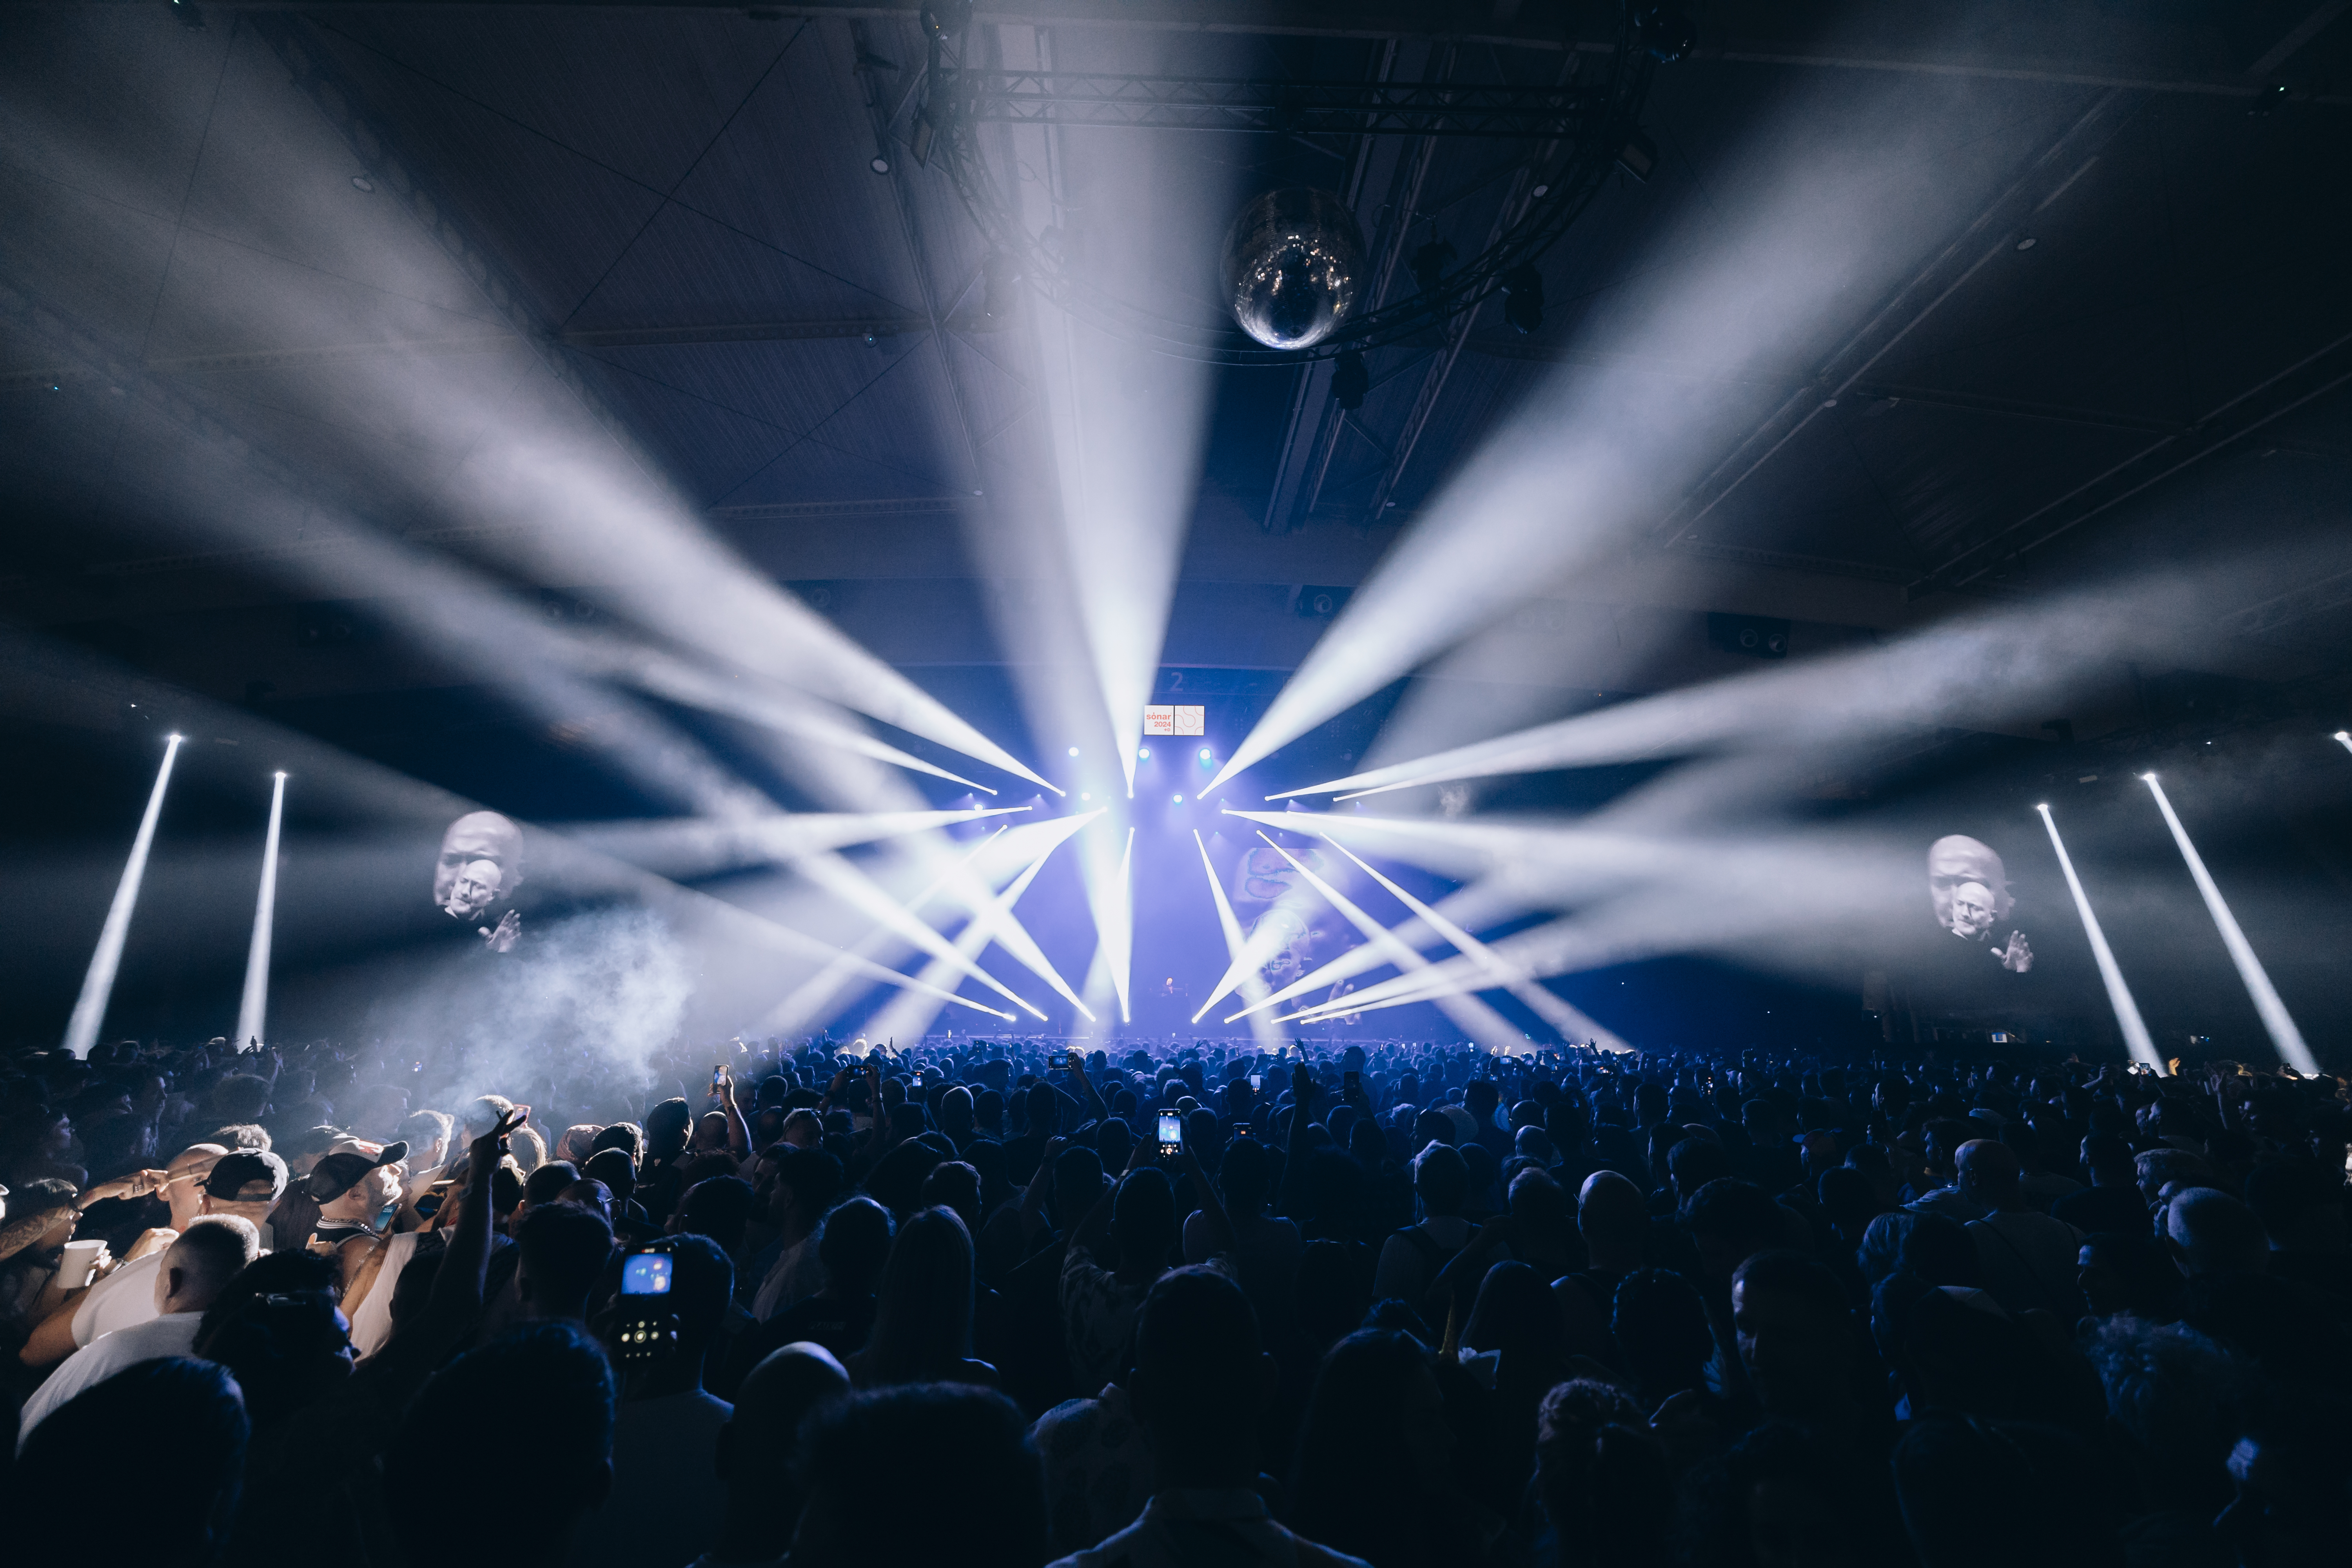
[
  {"x": 2050, "y": 1298},
  {"x": 1432, "y": 1251}
]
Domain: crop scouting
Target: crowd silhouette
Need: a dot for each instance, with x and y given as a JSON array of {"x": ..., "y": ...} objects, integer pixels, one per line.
[{"x": 1414, "y": 1305}]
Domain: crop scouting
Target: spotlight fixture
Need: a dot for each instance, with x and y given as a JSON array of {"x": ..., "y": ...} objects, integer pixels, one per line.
[
  {"x": 1666, "y": 33},
  {"x": 1073, "y": 751},
  {"x": 1084, "y": 796},
  {"x": 943, "y": 19},
  {"x": 1638, "y": 156},
  {"x": 1428, "y": 264},
  {"x": 1144, "y": 753},
  {"x": 880, "y": 164},
  {"x": 362, "y": 183},
  {"x": 1349, "y": 381},
  {"x": 1179, "y": 800},
  {"x": 1207, "y": 755}
]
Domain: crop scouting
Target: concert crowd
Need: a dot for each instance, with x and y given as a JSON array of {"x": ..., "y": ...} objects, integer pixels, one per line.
[{"x": 1413, "y": 1305}]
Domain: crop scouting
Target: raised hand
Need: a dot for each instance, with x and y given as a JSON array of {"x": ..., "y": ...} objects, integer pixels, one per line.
[{"x": 491, "y": 1146}]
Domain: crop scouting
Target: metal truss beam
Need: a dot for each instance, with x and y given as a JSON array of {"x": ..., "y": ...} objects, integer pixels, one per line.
[{"x": 1271, "y": 105}]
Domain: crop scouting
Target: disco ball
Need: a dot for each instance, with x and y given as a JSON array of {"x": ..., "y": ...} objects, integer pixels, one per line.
[{"x": 1292, "y": 262}]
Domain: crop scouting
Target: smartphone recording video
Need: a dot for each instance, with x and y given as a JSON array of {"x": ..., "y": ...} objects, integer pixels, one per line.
[
  {"x": 1172, "y": 1134},
  {"x": 646, "y": 1274}
]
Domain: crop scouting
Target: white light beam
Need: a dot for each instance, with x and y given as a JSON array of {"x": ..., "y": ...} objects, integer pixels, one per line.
[
  {"x": 2285, "y": 1036},
  {"x": 1121, "y": 943},
  {"x": 909, "y": 1016},
  {"x": 1478, "y": 1019},
  {"x": 254, "y": 1005},
  {"x": 1253, "y": 985},
  {"x": 802, "y": 1005},
  {"x": 2119, "y": 996},
  {"x": 860, "y": 892},
  {"x": 1568, "y": 1022},
  {"x": 98, "y": 984}
]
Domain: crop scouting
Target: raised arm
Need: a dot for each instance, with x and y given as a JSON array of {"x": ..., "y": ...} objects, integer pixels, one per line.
[
  {"x": 1004, "y": 1236},
  {"x": 1088, "y": 1232},
  {"x": 1094, "y": 1100},
  {"x": 1294, "y": 1178},
  {"x": 458, "y": 1287},
  {"x": 1213, "y": 1204},
  {"x": 738, "y": 1131}
]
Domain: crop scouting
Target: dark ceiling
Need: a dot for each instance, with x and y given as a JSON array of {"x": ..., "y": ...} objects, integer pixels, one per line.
[{"x": 230, "y": 227}]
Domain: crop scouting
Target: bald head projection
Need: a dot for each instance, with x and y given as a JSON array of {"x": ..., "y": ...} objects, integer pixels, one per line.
[
  {"x": 1969, "y": 889},
  {"x": 475, "y": 874}
]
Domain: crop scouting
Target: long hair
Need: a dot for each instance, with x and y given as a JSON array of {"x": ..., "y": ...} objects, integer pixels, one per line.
[
  {"x": 1355, "y": 1488},
  {"x": 922, "y": 1317}
]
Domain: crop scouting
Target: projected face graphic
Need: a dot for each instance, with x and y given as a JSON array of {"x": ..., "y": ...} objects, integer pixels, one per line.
[
  {"x": 1291, "y": 927},
  {"x": 476, "y": 888},
  {"x": 1265, "y": 877},
  {"x": 1969, "y": 889},
  {"x": 1956, "y": 861},
  {"x": 479, "y": 867},
  {"x": 1972, "y": 909}
]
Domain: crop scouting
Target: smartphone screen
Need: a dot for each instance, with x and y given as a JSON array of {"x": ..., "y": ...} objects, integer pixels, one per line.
[
  {"x": 1256, "y": 1081},
  {"x": 1172, "y": 1132},
  {"x": 718, "y": 1077},
  {"x": 1241, "y": 1130},
  {"x": 646, "y": 1274},
  {"x": 1075, "y": 1059}
]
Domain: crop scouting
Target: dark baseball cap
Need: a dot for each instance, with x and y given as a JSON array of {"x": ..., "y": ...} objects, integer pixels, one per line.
[
  {"x": 336, "y": 1174},
  {"x": 235, "y": 1170}
]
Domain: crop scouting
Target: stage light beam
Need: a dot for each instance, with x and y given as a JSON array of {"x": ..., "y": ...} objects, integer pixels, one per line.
[
  {"x": 1477, "y": 1019},
  {"x": 1571, "y": 1023},
  {"x": 2285, "y": 1036},
  {"x": 1263, "y": 1030},
  {"x": 911, "y": 1014},
  {"x": 254, "y": 1005},
  {"x": 98, "y": 984},
  {"x": 2119, "y": 996},
  {"x": 854, "y": 888},
  {"x": 1122, "y": 949}
]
